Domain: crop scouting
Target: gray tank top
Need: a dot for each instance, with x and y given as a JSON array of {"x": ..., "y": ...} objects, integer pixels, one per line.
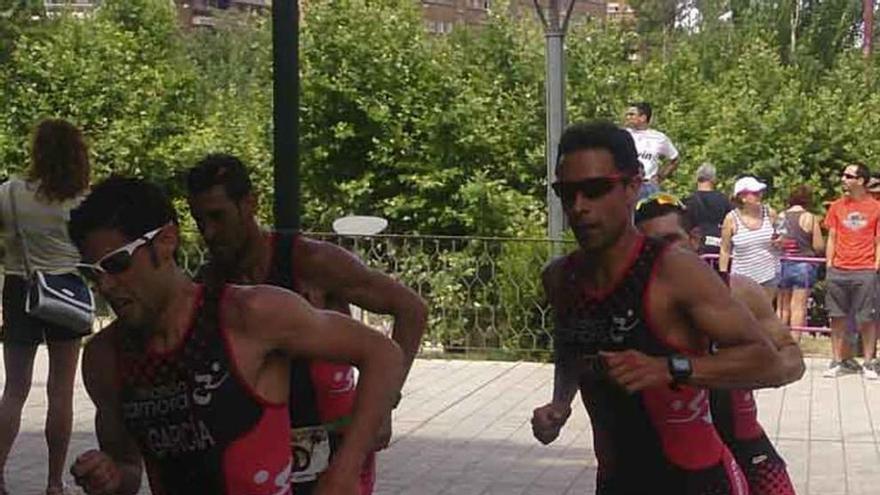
[{"x": 797, "y": 242}]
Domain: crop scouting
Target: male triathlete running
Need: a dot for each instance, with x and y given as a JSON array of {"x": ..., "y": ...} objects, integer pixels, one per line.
[
  {"x": 633, "y": 324},
  {"x": 734, "y": 412},
  {"x": 223, "y": 203}
]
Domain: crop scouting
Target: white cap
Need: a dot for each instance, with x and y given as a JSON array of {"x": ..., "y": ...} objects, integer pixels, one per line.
[{"x": 748, "y": 184}]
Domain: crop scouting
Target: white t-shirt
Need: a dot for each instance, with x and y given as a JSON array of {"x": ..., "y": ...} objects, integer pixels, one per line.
[
  {"x": 45, "y": 226},
  {"x": 651, "y": 146}
]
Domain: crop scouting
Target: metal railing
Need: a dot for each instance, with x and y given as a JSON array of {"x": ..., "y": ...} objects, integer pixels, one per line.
[
  {"x": 484, "y": 293},
  {"x": 815, "y": 303}
]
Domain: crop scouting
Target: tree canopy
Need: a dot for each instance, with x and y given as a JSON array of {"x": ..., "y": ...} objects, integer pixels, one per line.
[{"x": 444, "y": 134}]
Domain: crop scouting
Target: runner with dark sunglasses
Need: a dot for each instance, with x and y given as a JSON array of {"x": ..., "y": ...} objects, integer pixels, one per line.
[
  {"x": 633, "y": 321},
  {"x": 734, "y": 412}
]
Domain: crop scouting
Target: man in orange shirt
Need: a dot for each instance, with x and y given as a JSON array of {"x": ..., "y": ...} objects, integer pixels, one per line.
[{"x": 853, "y": 263}]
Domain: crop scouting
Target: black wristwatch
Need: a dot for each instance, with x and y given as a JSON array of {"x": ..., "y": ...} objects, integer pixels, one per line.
[{"x": 680, "y": 368}]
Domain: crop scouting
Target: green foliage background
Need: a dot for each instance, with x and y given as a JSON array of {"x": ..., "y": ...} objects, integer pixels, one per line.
[
  {"x": 445, "y": 134},
  {"x": 442, "y": 135}
]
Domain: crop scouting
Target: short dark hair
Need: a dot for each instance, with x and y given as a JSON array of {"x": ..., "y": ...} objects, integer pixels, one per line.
[
  {"x": 132, "y": 206},
  {"x": 801, "y": 196},
  {"x": 604, "y": 135},
  {"x": 653, "y": 209},
  {"x": 644, "y": 108},
  {"x": 219, "y": 169},
  {"x": 863, "y": 172}
]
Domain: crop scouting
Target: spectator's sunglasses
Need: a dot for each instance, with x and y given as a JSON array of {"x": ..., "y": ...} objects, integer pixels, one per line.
[
  {"x": 116, "y": 261},
  {"x": 662, "y": 199},
  {"x": 592, "y": 188}
]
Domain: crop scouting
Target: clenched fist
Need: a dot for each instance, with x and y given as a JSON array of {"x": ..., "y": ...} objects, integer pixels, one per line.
[
  {"x": 97, "y": 473},
  {"x": 548, "y": 419}
]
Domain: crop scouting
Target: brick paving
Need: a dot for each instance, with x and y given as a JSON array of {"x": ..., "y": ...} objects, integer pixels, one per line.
[{"x": 462, "y": 428}]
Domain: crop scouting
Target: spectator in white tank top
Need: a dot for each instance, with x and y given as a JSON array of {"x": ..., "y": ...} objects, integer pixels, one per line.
[{"x": 748, "y": 236}]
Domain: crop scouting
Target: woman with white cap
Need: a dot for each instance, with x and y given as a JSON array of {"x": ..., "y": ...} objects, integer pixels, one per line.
[{"x": 748, "y": 235}]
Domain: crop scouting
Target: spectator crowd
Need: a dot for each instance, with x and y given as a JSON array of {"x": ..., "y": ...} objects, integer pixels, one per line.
[{"x": 785, "y": 249}]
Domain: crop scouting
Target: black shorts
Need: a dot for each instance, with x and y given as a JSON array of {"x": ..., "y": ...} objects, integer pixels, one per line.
[{"x": 22, "y": 328}]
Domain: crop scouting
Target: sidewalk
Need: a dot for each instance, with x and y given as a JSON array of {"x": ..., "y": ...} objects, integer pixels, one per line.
[{"x": 463, "y": 428}]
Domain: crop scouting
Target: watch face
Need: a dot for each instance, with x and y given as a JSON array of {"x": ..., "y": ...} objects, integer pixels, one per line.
[{"x": 681, "y": 364}]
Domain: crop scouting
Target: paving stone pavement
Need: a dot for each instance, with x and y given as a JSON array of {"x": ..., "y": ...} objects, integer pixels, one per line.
[{"x": 463, "y": 428}]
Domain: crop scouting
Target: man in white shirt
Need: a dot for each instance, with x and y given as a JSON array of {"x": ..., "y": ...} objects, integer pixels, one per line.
[{"x": 652, "y": 146}]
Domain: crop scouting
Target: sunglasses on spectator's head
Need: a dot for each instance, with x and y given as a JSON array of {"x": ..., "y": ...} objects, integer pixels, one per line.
[
  {"x": 592, "y": 188},
  {"x": 116, "y": 261},
  {"x": 660, "y": 198}
]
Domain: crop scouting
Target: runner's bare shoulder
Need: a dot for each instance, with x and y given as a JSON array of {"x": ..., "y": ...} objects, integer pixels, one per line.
[
  {"x": 688, "y": 276},
  {"x": 315, "y": 253},
  {"x": 260, "y": 310},
  {"x": 99, "y": 361}
]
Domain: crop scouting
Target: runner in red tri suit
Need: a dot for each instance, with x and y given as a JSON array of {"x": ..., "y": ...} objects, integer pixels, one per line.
[
  {"x": 633, "y": 324},
  {"x": 734, "y": 412},
  {"x": 195, "y": 379},
  {"x": 223, "y": 203}
]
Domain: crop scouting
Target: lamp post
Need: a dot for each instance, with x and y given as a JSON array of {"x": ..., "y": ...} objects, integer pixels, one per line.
[
  {"x": 555, "y": 24},
  {"x": 285, "y": 84}
]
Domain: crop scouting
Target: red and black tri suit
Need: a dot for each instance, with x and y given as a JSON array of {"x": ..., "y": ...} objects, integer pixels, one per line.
[
  {"x": 656, "y": 441},
  {"x": 735, "y": 414},
  {"x": 200, "y": 427}
]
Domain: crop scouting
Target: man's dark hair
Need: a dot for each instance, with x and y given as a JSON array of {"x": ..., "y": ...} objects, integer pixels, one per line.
[
  {"x": 129, "y": 205},
  {"x": 644, "y": 108},
  {"x": 604, "y": 135},
  {"x": 219, "y": 169},
  {"x": 652, "y": 209},
  {"x": 863, "y": 172}
]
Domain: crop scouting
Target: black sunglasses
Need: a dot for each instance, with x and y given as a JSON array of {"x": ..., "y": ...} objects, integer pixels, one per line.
[
  {"x": 849, "y": 176},
  {"x": 116, "y": 261},
  {"x": 592, "y": 188}
]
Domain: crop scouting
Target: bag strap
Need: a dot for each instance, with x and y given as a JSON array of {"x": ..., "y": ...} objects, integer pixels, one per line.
[{"x": 18, "y": 232}]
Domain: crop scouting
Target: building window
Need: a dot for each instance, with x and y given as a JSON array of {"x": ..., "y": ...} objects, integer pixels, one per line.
[{"x": 438, "y": 27}]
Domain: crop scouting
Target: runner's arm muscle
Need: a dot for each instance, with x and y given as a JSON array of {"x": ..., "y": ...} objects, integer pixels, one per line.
[
  {"x": 746, "y": 357},
  {"x": 98, "y": 372},
  {"x": 341, "y": 273},
  {"x": 565, "y": 380},
  {"x": 285, "y": 322},
  {"x": 755, "y": 299}
]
